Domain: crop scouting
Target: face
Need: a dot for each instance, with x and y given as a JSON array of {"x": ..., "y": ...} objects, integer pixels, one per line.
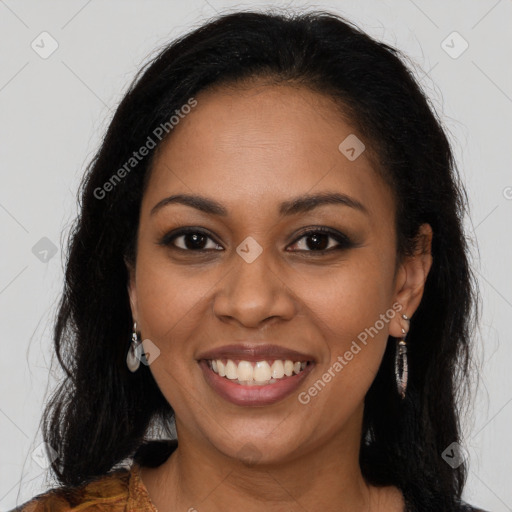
[{"x": 256, "y": 274}]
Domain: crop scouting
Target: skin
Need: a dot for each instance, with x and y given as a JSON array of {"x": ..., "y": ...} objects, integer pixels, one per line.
[{"x": 251, "y": 148}]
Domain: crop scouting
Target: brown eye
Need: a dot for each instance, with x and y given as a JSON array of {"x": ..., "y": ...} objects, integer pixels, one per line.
[
  {"x": 321, "y": 240},
  {"x": 190, "y": 240}
]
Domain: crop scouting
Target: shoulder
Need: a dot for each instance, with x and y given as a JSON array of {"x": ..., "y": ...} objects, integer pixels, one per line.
[{"x": 112, "y": 490}]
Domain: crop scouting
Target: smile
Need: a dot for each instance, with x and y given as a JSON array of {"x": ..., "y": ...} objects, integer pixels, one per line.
[{"x": 258, "y": 383}]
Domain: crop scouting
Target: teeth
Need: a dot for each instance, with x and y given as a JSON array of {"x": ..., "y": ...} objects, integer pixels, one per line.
[
  {"x": 277, "y": 369},
  {"x": 231, "y": 370},
  {"x": 245, "y": 371},
  {"x": 259, "y": 373}
]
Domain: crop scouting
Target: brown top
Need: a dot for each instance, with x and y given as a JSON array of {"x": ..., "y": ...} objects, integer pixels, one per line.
[{"x": 120, "y": 491}]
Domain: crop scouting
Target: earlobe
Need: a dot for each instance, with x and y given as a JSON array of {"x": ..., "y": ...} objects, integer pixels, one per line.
[{"x": 411, "y": 278}]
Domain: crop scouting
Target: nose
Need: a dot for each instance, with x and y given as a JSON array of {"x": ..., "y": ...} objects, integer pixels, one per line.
[{"x": 253, "y": 293}]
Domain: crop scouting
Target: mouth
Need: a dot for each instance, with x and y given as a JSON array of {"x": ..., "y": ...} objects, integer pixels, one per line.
[{"x": 255, "y": 376}]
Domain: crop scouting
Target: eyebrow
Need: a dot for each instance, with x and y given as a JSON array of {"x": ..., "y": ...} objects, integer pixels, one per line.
[{"x": 293, "y": 206}]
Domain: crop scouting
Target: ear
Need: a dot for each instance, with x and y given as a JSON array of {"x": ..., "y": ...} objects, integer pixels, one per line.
[
  {"x": 411, "y": 278},
  {"x": 132, "y": 293}
]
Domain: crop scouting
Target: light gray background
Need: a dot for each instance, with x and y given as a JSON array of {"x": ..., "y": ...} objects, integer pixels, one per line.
[{"x": 54, "y": 112}]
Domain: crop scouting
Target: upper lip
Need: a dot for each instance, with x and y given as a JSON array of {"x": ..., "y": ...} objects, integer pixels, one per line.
[{"x": 254, "y": 352}]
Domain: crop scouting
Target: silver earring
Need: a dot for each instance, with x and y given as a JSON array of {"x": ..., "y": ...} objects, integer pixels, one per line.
[
  {"x": 134, "y": 352},
  {"x": 401, "y": 368}
]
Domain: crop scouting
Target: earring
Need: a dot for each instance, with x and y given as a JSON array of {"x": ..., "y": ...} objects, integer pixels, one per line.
[
  {"x": 134, "y": 352},
  {"x": 401, "y": 368}
]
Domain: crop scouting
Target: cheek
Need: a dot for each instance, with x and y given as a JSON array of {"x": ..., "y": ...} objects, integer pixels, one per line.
[
  {"x": 352, "y": 310},
  {"x": 171, "y": 304},
  {"x": 351, "y": 296}
]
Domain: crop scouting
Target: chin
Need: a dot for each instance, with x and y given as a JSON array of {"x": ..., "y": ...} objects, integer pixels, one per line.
[{"x": 254, "y": 451}]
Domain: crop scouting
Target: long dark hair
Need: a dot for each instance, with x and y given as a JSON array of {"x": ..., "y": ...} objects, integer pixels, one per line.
[{"x": 100, "y": 414}]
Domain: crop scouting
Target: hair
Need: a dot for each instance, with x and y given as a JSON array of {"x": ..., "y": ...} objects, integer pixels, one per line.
[{"x": 100, "y": 413}]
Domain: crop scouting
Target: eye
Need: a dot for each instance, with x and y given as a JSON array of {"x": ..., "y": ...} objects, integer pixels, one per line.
[
  {"x": 317, "y": 240},
  {"x": 190, "y": 239}
]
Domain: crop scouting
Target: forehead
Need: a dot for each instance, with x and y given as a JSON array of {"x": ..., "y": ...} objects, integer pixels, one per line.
[{"x": 260, "y": 144}]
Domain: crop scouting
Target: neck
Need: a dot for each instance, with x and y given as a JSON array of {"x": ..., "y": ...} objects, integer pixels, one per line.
[{"x": 325, "y": 476}]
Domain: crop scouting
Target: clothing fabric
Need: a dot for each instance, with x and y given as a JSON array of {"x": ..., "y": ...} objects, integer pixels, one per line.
[{"x": 120, "y": 491}]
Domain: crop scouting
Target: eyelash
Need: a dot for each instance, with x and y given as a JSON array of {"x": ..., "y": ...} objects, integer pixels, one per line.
[{"x": 344, "y": 242}]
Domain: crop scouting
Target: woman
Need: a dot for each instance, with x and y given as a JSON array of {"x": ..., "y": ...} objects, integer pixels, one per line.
[{"x": 273, "y": 227}]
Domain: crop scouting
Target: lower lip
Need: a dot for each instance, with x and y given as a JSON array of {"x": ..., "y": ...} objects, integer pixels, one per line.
[{"x": 239, "y": 394}]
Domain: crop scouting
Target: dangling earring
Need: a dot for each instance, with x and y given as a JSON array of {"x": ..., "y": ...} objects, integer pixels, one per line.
[
  {"x": 401, "y": 368},
  {"x": 134, "y": 352}
]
